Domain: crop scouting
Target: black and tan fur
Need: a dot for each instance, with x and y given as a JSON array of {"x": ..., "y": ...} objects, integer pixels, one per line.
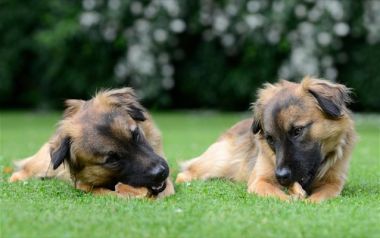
[
  {"x": 301, "y": 137},
  {"x": 106, "y": 141}
]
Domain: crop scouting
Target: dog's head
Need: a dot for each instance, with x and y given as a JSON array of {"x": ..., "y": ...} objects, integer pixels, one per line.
[
  {"x": 298, "y": 124},
  {"x": 103, "y": 142}
]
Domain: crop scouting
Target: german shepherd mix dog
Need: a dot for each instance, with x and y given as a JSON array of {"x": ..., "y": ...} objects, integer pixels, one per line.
[
  {"x": 300, "y": 138},
  {"x": 108, "y": 144}
]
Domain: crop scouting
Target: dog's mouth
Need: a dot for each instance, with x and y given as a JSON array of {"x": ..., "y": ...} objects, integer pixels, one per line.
[
  {"x": 156, "y": 189},
  {"x": 306, "y": 181}
]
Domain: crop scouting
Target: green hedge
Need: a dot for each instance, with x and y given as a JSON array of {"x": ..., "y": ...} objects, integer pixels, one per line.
[{"x": 190, "y": 54}]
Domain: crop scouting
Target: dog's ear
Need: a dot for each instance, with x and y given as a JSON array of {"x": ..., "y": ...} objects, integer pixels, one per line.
[
  {"x": 256, "y": 127},
  {"x": 126, "y": 97},
  {"x": 72, "y": 107},
  {"x": 59, "y": 151},
  {"x": 137, "y": 113},
  {"x": 257, "y": 120},
  {"x": 331, "y": 97}
]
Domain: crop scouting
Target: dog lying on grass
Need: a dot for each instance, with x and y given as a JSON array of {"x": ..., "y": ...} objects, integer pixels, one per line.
[
  {"x": 301, "y": 138},
  {"x": 106, "y": 145}
]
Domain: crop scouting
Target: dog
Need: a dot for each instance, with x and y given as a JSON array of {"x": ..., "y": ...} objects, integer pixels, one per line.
[
  {"x": 298, "y": 143},
  {"x": 106, "y": 145}
]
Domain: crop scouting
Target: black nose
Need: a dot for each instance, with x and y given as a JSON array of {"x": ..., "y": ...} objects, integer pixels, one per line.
[
  {"x": 283, "y": 176},
  {"x": 159, "y": 173}
]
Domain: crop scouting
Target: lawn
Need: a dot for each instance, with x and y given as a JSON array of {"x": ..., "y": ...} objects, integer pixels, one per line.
[{"x": 217, "y": 208}]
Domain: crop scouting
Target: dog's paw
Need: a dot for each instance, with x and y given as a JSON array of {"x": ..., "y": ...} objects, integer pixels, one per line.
[
  {"x": 266, "y": 189},
  {"x": 183, "y": 177},
  {"x": 18, "y": 176},
  {"x": 315, "y": 199}
]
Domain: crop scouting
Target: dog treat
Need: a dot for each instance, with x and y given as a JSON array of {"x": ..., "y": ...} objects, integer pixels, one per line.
[
  {"x": 125, "y": 190},
  {"x": 297, "y": 191}
]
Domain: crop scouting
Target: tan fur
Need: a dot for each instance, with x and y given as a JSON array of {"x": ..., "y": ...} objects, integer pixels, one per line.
[
  {"x": 248, "y": 157},
  {"x": 81, "y": 114}
]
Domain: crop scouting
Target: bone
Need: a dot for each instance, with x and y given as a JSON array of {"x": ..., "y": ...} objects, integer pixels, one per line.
[
  {"x": 125, "y": 190},
  {"x": 297, "y": 192}
]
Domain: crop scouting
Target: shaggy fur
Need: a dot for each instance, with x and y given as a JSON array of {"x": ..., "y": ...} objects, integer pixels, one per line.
[
  {"x": 108, "y": 139},
  {"x": 303, "y": 127}
]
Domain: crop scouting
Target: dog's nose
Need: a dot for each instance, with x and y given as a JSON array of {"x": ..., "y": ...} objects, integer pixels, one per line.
[
  {"x": 159, "y": 172},
  {"x": 283, "y": 176}
]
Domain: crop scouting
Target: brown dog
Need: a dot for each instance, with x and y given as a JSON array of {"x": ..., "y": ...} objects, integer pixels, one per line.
[
  {"x": 302, "y": 134},
  {"x": 100, "y": 143}
]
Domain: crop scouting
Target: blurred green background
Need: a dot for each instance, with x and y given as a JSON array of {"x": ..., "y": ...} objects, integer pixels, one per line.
[{"x": 184, "y": 54}]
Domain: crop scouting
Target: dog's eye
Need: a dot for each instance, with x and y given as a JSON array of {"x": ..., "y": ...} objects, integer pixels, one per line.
[
  {"x": 297, "y": 131},
  {"x": 112, "y": 157},
  {"x": 270, "y": 140}
]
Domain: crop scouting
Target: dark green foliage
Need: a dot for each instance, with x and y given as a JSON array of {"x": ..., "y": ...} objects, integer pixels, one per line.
[{"x": 47, "y": 56}]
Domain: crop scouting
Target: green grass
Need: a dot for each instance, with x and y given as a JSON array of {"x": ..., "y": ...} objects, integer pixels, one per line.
[{"x": 217, "y": 208}]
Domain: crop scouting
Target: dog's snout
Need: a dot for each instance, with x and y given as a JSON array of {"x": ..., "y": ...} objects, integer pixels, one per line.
[
  {"x": 283, "y": 176},
  {"x": 160, "y": 172}
]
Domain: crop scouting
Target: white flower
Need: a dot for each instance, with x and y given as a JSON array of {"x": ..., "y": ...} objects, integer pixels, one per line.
[
  {"x": 136, "y": 7},
  {"x": 254, "y": 21},
  {"x": 160, "y": 35},
  {"x": 163, "y": 58},
  {"x": 284, "y": 72},
  {"x": 88, "y": 19},
  {"x": 315, "y": 14},
  {"x": 341, "y": 29},
  {"x": 372, "y": 21},
  {"x": 142, "y": 25},
  {"x": 89, "y": 4},
  {"x": 167, "y": 83},
  {"x": 220, "y": 23},
  {"x": 151, "y": 11},
  {"x": 121, "y": 70},
  {"x": 171, "y": 6},
  {"x": 231, "y": 9},
  {"x": 167, "y": 70},
  {"x": 335, "y": 9},
  {"x": 228, "y": 40},
  {"x": 109, "y": 32},
  {"x": 205, "y": 18},
  {"x": 253, "y": 6},
  {"x": 177, "y": 26},
  {"x": 306, "y": 28},
  {"x": 331, "y": 73},
  {"x": 140, "y": 59},
  {"x": 327, "y": 61},
  {"x": 113, "y": 4},
  {"x": 273, "y": 36},
  {"x": 324, "y": 38},
  {"x": 278, "y": 6},
  {"x": 300, "y": 11}
]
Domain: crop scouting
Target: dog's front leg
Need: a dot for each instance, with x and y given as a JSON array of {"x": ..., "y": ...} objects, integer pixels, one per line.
[
  {"x": 262, "y": 180},
  {"x": 266, "y": 188},
  {"x": 332, "y": 183},
  {"x": 326, "y": 191}
]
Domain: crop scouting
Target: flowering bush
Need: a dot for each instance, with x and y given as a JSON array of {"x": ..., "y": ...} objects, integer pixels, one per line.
[
  {"x": 163, "y": 38},
  {"x": 197, "y": 53}
]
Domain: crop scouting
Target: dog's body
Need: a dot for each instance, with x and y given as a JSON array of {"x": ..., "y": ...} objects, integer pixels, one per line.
[
  {"x": 301, "y": 134},
  {"x": 103, "y": 142}
]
